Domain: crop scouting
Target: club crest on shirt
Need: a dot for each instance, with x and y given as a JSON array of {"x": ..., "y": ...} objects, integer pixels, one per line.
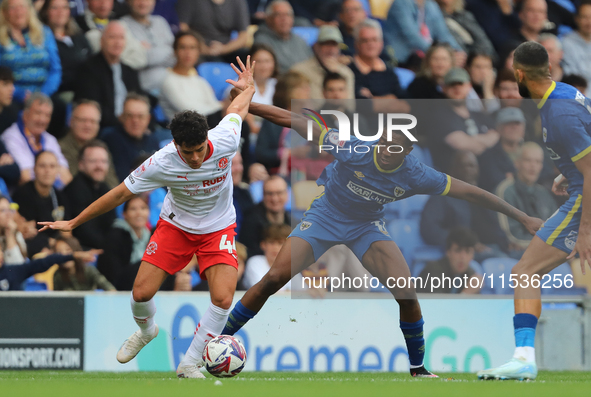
[
  {"x": 571, "y": 239},
  {"x": 359, "y": 174},
  {"x": 223, "y": 163},
  {"x": 333, "y": 137},
  {"x": 305, "y": 225},
  {"x": 152, "y": 247},
  {"x": 398, "y": 191},
  {"x": 544, "y": 134}
]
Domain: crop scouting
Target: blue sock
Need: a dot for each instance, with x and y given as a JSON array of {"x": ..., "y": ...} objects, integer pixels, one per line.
[
  {"x": 237, "y": 318},
  {"x": 525, "y": 329},
  {"x": 415, "y": 342}
]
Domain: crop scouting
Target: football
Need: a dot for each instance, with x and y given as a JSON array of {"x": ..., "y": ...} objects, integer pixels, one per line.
[{"x": 224, "y": 356}]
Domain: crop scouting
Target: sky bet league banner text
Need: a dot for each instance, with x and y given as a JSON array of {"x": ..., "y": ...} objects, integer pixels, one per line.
[{"x": 309, "y": 335}]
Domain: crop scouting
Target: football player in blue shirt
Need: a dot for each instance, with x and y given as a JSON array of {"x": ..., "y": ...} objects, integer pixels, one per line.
[
  {"x": 566, "y": 127},
  {"x": 350, "y": 211}
]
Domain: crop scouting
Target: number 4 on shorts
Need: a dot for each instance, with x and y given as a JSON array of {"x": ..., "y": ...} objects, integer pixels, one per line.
[{"x": 226, "y": 244}]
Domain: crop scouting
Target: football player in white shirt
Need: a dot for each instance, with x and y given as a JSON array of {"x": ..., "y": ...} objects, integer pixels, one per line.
[{"x": 197, "y": 218}]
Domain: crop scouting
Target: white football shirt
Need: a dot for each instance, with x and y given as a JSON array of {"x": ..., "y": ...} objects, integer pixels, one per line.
[{"x": 198, "y": 201}]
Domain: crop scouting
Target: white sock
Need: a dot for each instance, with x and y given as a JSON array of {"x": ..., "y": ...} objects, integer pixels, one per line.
[
  {"x": 525, "y": 353},
  {"x": 143, "y": 314},
  {"x": 211, "y": 325}
]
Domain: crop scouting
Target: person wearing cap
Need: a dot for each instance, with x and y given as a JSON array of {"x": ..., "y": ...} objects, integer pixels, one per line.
[
  {"x": 525, "y": 193},
  {"x": 498, "y": 162},
  {"x": 453, "y": 127},
  {"x": 325, "y": 60},
  {"x": 276, "y": 33}
]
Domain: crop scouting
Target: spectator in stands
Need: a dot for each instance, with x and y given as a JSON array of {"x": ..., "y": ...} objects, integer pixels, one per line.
[
  {"x": 105, "y": 78},
  {"x": 154, "y": 33},
  {"x": 76, "y": 275},
  {"x": 428, "y": 83},
  {"x": 28, "y": 48},
  {"x": 482, "y": 78},
  {"x": 28, "y": 137},
  {"x": 274, "y": 235},
  {"x": 533, "y": 16},
  {"x": 459, "y": 252},
  {"x": 576, "y": 81},
  {"x": 577, "y": 45},
  {"x": 215, "y": 21},
  {"x": 454, "y": 127},
  {"x": 125, "y": 244},
  {"x": 182, "y": 88},
  {"x": 373, "y": 78},
  {"x": 265, "y": 80},
  {"x": 133, "y": 138},
  {"x": 12, "y": 242},
  {"x": 8, "y": 110},
  {"x": 167, "y": 10},
  {"x": 270, "y": 211},
  {"x": 12, "y": 277},
  {"x": 84, "y": 127},
  {"x": 241, "y": 195},
  {"x": 39, "y": 201},
  {"x": 87, "y": 186},
  {"x": 271, "y": 137},
  {"x": 94, "y": 23},
  {"x": 276, "y": 33},
  {"x": 325, "y": 60},
  {"x": 351, "y": 15},
  {"x": 413, "y": 25},
  {"x": 497, "y": 18},
  {"x": 555, "y": 54},
  {"x": 72, "y": 46},
  {"x": 465, "y": 29},
  {"x": 524, "y": 193},
  {"x": 441, "y": 214},
  {"x": 498, "y": 162}
]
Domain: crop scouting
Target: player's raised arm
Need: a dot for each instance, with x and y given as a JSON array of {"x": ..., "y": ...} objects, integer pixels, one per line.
[
  {"x": 245, "y": 84},
  {"x": 478, "y": 196},
  {"x": 106, "y": 203},
  {"x": 285, "y": 118}
]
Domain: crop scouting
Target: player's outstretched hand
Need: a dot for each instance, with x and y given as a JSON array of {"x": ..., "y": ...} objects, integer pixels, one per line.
[
  {"x": 532, "y": 224},
  {"x": 560, "y": 185},
  {"x": 63, "y": 226},
  {"x": 245, "y": 74},
  {"x": 583, "y": 248},
  {"x": 87, "y": 256}
]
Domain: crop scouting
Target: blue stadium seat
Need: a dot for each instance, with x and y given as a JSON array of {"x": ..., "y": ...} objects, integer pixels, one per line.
[
  {"x": 409, "y": 208},
  {"x": 216, "y": 74},
  {"x": 498, "y": 267},
  {"x": 31, "y": 285},
  {"x": 405, "y": 76},
  {"x": 308, "y": 33},
  {"x": 366, "y": 6}
]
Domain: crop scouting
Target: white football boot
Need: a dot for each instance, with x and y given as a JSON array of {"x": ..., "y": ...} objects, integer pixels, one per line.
[
  {"x": 189, "y": 371},
  {"x": 132, "y": 346},
  {"x": 514, "y": 369}
]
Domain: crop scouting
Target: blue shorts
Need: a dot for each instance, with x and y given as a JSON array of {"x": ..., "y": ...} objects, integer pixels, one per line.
[
  {"x": 562, "y": 229},
  {"x": 322, "y": 227}
]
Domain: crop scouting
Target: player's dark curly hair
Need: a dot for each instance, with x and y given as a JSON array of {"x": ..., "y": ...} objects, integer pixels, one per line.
[
  {"x": 189, "y": 128},
  {"x": 532, "y": 58}
]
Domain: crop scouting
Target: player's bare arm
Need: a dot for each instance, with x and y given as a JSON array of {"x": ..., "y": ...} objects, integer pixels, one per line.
[
  {"x": 476, "y": 195},
  {"x": 285, "y": 118},
  {"x": 106, "y": 203},
  {"x": 583, "y": 244},
  {"x": 245, "y": 84}
]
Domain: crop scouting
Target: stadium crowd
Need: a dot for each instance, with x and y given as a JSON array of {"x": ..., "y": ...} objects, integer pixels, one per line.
[{"x": 87, "y": 89}]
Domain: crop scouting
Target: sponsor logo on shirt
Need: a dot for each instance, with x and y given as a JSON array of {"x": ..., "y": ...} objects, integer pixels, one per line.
[
  {"x": 223, "y": 163},
  {"x": 235, "y": 121},
  {"x": 368, "y": 194},
  {"x": 183, "y": 177},
  {"x": 131, "y": 179},
  {"x": 152, "y": 247},
  {"x": 359, "y": 174},
  {"x": 192, "y": 190}
]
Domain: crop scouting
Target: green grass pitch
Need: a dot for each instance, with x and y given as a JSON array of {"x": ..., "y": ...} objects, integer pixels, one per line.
[{"x": 161, "y": 384}]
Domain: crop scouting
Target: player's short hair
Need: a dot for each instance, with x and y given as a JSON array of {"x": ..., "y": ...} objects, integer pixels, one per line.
[
  {"x": 189, "y": 128},
  {"x": 91, "y": 144},
  {"x": 6, "y": 74},
  {"x": 575, "y": 80},
  {"x": 532, "y": 58},
  {"x": 505, "y": 75},
  {"x": 462, "y": 237},
  {"x": 276, "y": 232},
  {"x": 332, "y": 76}
]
